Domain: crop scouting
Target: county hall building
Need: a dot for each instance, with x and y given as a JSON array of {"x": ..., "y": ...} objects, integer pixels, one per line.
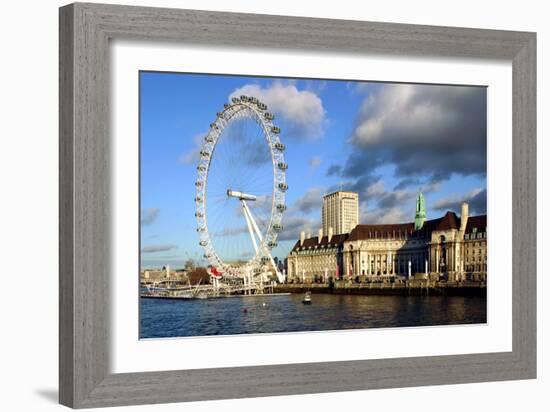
[{"x": 451, "y": 247}]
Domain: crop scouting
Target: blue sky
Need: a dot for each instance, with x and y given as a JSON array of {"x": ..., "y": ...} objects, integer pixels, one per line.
[{"x": 385, "y": 141}]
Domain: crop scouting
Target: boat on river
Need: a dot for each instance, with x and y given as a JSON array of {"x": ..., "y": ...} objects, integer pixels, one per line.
[{"x": 307, "y": 298}]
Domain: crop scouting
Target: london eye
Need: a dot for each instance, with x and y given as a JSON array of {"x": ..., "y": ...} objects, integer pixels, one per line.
[{"x": 240, "y": 190}]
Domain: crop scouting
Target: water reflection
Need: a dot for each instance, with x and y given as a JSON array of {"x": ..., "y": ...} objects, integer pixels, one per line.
[{"x": 238, "y": 315}]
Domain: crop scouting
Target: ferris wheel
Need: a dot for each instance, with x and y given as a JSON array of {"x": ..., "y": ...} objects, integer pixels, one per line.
[{"x": 240, "y": 190}]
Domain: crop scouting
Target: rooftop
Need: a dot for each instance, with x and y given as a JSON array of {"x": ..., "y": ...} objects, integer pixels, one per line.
[
  {"x": 477, "y": 222},
  {"x": 347, "y": 192},
  {"x": 448, "y": 221},
  {"x": 336, "y": 240}
]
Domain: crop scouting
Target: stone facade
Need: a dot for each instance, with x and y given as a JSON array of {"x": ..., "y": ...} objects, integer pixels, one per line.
[
  {"x": 314, "y": 260},
  {"x": 162, "y": 275},
  {"x": 448, "y": 248}
]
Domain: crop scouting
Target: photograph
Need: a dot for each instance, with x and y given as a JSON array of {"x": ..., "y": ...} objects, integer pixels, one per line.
[{"x": 272, "y": 205}]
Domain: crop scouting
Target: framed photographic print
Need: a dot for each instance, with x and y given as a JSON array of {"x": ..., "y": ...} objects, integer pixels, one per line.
[
  {"x": 265, "y": 176},
  {"x": 339, "y": 205}
]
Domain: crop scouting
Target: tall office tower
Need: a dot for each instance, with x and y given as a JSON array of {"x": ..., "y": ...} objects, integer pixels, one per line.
[{"x": 340, "y": 211}]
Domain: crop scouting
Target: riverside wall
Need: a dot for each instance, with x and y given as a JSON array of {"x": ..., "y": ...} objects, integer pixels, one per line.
[{"x": 406, "y": 288}]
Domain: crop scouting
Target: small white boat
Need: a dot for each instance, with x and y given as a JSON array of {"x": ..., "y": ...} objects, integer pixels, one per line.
[{"x": 307, "y": 298}]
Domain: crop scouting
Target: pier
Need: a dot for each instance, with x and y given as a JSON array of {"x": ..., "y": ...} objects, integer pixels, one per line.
[
  {"x": 411, "y": 287},
  {"x": 179, "y": 290}
]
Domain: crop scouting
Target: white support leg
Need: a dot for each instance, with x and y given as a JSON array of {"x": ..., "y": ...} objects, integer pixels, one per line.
[
  {"x": 250, "y": 218},
  {"x": 249, "y": 224}
]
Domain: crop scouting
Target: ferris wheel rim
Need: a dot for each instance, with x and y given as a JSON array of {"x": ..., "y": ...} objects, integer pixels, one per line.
[{"x": 243, "y": 107}]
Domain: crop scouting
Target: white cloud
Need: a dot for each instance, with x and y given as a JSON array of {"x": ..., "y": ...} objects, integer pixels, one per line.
[
  {"x": 158, "y": 248},
  {"x": 315, "y": 162},
  {"x": 262, "y": 206},
  {"x": 376, "y": 189},
  {"x": 149, "y": 215},
  {"x": 301, "y": 110},
  {"x": 428, "y": 132},
  {"x": 310, "y": 201},
  {"x": 385, "y": 216},
  {"x": 476, "y": 198},
  {"x": 293, "y": 224},
  {"x": 430, "y": 187},
  {"x": 424, "y": 113},
  {"x": 388, "y": 108},
  {"x": 192, "y": 156},
  {"x": 392, "y": 206}
]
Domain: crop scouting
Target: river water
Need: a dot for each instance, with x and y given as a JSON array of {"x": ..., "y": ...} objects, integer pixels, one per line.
[{"x": 161, "y": 318}]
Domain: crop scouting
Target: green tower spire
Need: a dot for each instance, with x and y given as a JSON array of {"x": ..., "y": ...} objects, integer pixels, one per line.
[{"x": 420, "y": 216}]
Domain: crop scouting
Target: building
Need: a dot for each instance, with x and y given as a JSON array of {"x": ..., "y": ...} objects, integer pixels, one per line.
[
  {"x": 340, "y": 211},
  {"x": 448, "y": 248},
  {"x": 317, "y": 258},
  {"x": 162, "y": 275}
]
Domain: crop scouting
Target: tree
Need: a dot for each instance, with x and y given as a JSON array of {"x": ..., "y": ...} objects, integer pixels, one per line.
[
  {"x": 190, "y": 264},
  {"x": 198, "y": 275}
]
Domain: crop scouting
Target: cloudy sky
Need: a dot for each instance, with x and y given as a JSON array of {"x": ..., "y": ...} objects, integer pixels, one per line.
[{"x": 386, "y": 141}]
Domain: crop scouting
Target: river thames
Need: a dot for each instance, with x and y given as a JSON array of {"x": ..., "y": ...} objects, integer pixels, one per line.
[{"x": 163, "y": 318}]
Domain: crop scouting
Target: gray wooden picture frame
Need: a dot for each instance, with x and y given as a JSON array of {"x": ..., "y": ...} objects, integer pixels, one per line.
[{"x": 84, "y": 252}]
